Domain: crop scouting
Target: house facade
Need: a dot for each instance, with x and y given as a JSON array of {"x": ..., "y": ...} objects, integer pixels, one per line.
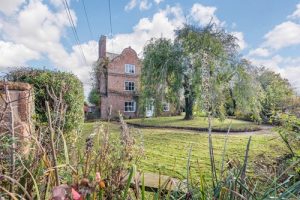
[
  {"x": 119, "y": 84},
  {"x": 118, "y": 80}
]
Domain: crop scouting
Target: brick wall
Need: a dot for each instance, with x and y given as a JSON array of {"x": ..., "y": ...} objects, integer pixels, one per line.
[{"x": 116, "y": 77}]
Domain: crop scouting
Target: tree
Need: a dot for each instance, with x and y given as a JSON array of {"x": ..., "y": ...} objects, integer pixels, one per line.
[
  {"x": 174, "y": 68},
  {"x": 161, "y": 73},
  {"x": 210, "y": 59},
  {"x": 245, "y": 94},
  {"x": 94, "y": 96},
  {"x": 277, "y": 90}
]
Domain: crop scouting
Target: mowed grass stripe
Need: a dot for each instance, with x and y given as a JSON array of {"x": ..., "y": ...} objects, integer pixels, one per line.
[
  {"x": 197, "y": 122},
  {"x": 168, "y": 151}
]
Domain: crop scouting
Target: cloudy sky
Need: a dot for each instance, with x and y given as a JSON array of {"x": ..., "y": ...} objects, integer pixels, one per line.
[{"x": 38, "y": 33}]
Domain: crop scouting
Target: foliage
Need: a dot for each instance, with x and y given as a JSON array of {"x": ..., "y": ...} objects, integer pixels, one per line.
[
  {"x": 289, "y": 131},
  {"x": 57, "y": 168},
  {"x": 245, "y": 95},
  {"x": 277, "y": 91},
  {"x": 94, "y": 96},
  {"x": 203, "y": 66},
  {"x": 209, "y": 52},
  {"x": 161, "y": 74},
  {"x": 69, "y": 84}
]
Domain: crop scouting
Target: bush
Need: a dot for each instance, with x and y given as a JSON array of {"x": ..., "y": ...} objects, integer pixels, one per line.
[
  {"x": 94, "y": 97},
  {"x": 69, "y": 84}
]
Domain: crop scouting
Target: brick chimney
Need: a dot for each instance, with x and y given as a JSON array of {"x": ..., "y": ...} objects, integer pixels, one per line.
[{"x": 102, "y": 46}]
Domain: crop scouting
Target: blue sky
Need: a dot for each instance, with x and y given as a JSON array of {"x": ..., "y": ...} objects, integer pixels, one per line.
[{"x": 37, "y": 32}]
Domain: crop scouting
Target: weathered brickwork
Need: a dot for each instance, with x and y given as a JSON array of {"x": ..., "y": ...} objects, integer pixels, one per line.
[{"x": 17, "y": 112}]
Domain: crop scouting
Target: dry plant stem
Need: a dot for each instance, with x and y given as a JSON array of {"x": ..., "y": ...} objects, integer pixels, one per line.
[
  {"x": 243, "y": 174},
  {"x": 18, "y": 184},
  {"x": 224, "y": 150},
  {"x": 86, "y": 164},
  {"x": 11, "y": 195},
  {"x": 189, "y": 168},
  {"x": 211, "y": 152},
  {"x": 52, "y": 144}
]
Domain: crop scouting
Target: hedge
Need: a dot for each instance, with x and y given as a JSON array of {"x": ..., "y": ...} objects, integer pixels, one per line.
[{"x": 40, "y": 79}]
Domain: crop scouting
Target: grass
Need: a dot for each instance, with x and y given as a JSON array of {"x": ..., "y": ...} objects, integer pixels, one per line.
[
  {"x": 167, "y": 150},
  {"x": 197, "y": 122}
]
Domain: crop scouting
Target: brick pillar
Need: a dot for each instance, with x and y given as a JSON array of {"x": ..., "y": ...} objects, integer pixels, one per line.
[{"x": 22, "y": 108}]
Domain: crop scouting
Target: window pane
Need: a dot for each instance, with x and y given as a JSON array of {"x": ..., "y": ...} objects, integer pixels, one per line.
[
  {"x": 129, "y": 85},
  {"x": 130, "y": 69},
  {"x": 129, "y": 106}
]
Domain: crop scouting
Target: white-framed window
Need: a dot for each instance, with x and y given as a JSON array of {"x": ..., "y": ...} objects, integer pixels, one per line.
[
  {"x": 130, "y": 106},
  {"x": 129, "y": 86},
  {"x": 166, "y": 107},
  {"x": 129, "y": 69}
]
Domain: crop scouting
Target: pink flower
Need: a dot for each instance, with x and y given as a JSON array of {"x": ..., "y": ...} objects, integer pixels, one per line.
[
  {"x": 98, "y": 177},
  {"x": 75, "y": 195}
]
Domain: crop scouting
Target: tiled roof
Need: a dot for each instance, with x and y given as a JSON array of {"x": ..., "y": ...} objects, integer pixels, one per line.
[{"x": 111, "y": 56}]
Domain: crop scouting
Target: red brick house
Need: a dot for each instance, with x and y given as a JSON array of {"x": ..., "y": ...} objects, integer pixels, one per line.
[{"x": 118, "y": 79}]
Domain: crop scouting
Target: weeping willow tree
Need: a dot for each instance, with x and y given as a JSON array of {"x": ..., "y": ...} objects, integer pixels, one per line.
[
  {"x": 245, "y": 93},
  {"x": 175, "y": 69},
  {"x": 161, "y": 74}
]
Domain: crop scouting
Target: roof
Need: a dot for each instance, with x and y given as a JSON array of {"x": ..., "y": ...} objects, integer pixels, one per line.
[{"x": 111, "y": 56}]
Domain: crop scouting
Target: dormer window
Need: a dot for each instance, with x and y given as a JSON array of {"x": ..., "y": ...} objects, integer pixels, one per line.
[{"x": 129, "y": 69}]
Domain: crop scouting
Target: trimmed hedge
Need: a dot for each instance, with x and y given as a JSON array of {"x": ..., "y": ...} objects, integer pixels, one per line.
[{"x": 40, "y": 79}]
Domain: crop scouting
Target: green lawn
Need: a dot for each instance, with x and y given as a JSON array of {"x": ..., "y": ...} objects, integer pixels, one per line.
[
  {"x": 197, "y": 122},
  {"x": 167, "y": 150}
]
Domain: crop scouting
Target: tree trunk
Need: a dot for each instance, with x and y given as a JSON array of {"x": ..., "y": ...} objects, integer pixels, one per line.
[
  {"x": 189, "y": 102},
  {"x": 189, "y": 98},
  {"x": 233, "y": 101}
]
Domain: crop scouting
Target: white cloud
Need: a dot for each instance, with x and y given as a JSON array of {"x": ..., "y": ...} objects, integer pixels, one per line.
[
  {"x": 288, "y": 67},
  {"x": 283, "y": 35},
  {"x": 10, "y": 6},
  {"x": 12, "y": 54},
  {"x": 163, "y": 23},
  {"x": 296, "y": 13},
  {"x": 240, "y": 39},
  {"x": 260, "y": 52},
  {"x": 131, "y": 4},
  {"x": 145, "y": 5},
  {"x": 74, "y": 62},
  {"x": 204, "y": 15},
  {"x": 36, "y": 27},
  {"x": 272, "y": 63},
  {"x": 35, "y": 32},
  {"x": 158, "y": 1}
]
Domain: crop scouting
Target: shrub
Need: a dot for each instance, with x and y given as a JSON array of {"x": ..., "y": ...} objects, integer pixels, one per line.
[
  {"x": 94, "y": 97},
  {"x": 67, "y": 83}
]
